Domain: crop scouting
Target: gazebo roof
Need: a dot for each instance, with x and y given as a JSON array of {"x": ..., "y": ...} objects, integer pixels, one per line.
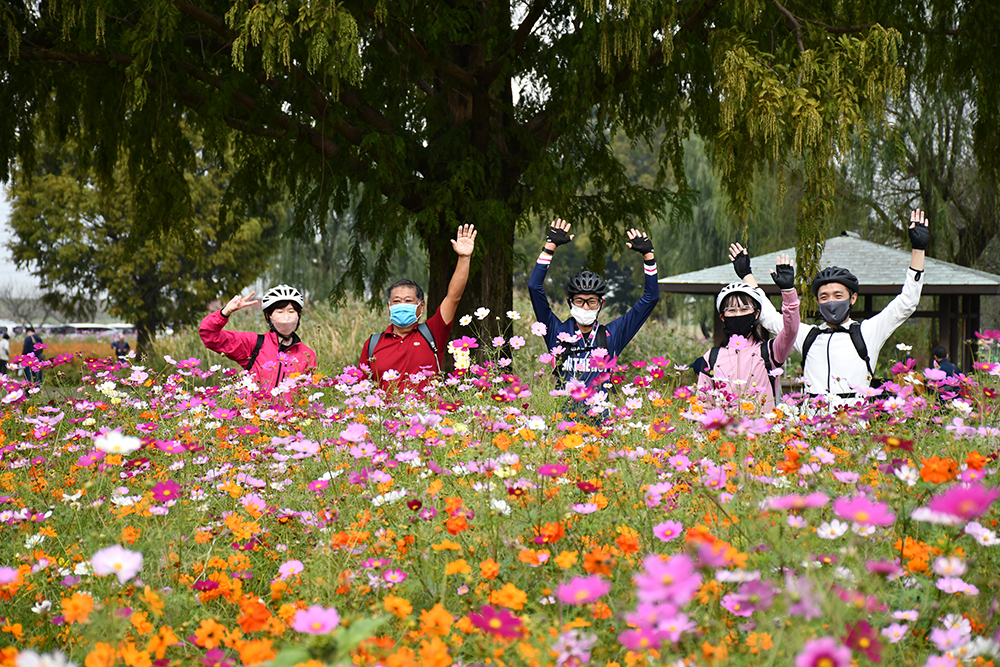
[{"x": 879, "y": 269}]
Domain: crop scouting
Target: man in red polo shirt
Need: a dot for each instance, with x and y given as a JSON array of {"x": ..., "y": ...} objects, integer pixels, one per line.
[{"x": 403, "y": 355}]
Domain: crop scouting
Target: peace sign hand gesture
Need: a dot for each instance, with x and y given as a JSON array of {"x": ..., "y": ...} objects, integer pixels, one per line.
[{"x": 238, "y": 303}]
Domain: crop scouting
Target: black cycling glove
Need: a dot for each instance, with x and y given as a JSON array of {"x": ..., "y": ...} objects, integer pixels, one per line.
[
  {"x": 784, "y": 276},
  {"x": 742, "y": 265},
  {"x": 920, "y": 236},
  {"x": 641, "y": 244},
  {"x": 557, "y": 236}
]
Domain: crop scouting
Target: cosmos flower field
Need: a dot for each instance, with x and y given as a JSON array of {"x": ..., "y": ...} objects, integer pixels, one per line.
[{"x": 184, "y": 518}]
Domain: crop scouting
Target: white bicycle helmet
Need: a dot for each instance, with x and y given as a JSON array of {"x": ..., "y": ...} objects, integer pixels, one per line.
[
  {"x": 278, "y": 294},
  {"x": 737, "y": 288}
]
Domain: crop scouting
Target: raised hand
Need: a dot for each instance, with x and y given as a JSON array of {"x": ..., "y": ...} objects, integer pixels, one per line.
[
  {"x": 639, "y": 242},
  {"x": 238, "y": 303},
  {"x": 558, "y": 234},
  {"x": 740, "y": 258},
  {"x": 465, "y": 240},
  {"x": 784, "y": 273},
  {"x": 920, "y": 233}
]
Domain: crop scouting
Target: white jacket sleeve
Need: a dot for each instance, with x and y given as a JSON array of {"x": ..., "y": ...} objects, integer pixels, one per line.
[{"x": 877, "y": 329}]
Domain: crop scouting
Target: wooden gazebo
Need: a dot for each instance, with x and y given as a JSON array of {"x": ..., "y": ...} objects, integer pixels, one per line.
[{"x": 880, "y": 270}]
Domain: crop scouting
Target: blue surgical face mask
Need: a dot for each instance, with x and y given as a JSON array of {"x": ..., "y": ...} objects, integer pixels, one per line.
[{"x": 403, "y": 314}]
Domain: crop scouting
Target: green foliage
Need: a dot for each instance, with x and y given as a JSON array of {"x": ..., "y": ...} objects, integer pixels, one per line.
[{"x": 82, "y": 243}]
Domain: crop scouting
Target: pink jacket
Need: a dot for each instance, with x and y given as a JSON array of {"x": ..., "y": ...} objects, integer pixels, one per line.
[
  {"x": 267, "y": 370},
  {"x": 747, "y": 364}
]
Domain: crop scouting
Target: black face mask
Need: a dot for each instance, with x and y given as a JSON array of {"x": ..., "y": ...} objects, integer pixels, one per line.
[{"x": 741, "y": 325}]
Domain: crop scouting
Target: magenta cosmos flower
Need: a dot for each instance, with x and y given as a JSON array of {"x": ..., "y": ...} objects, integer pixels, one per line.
[
  {"x": 496, "y": 621},
  {"x": 164, "y": 491},
  {"x": 116, "y": 560},
  {"x": 316, "y": 620},
  {"x": 965, "y": 502},
  {"x": 863, "y": 510},
  {"x": 582, "y": 590},
  {"x": 823, "y": 652},
  {"x": 552, "y": 469}
]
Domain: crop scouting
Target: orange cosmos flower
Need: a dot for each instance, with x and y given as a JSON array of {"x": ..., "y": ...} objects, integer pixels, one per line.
[
  {"x": 489, "y": 569},
  {"x": 397, "y": 606},
  {"x": 163, "y": 639},
  {"x": 77, "y": 609},
  {"x": 509, "y": 596},
  {"x": 209, "y": 634},
  {"x": 436, "y": 621},
  {"x": 434, "y": 653},
  {"x": 937, "y": 470},
  {"x": 102, "y": 655}
]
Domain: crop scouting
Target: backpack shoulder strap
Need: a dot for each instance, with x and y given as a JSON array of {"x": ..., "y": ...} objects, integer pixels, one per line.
[
  {"x": 713, "y": 356},
  {"x": 428, "y": 335},
  {"x": 860, "y": 345},
  {"x": 807, "y": 343},
  {"x": 256, "y": 351},
  {"x": 372, "y": 342},
  {"x": 602, "y": 337}
]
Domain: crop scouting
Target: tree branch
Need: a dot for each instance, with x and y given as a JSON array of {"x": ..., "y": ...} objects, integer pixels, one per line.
[
  {"x": 492, "y": 70},
  {"x": 795, "y": 24}
]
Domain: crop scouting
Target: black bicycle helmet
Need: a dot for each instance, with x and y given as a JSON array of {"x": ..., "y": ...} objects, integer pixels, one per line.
[
  {"x": 586, "y": 282},
  {"x": 835, "y": 274}
]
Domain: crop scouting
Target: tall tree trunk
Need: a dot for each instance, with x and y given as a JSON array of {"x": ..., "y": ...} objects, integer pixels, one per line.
[{"x": 490, "y": 281}]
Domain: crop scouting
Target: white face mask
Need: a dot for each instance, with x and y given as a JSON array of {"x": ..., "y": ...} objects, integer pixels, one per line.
[
  {"x": 583, "y": 316},
  {"x": 285, "y": 321}
]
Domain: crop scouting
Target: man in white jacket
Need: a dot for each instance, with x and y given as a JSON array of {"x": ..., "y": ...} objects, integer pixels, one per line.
[{"x": 840, "y": 354}]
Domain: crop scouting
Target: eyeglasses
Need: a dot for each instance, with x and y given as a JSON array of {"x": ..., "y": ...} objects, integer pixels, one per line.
[
  {"x": 590, "y": 304},
  {"x": 742, "y": 310}
]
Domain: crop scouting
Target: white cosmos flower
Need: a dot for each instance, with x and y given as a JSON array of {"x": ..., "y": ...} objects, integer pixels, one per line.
[
  {"x": 117, "y": 443},
  {"x": 465, "y": 320},
  {"x": 513, "y": 314},
  {"x": 481, "y": 313},
  {"x": 831, "y": 530}
]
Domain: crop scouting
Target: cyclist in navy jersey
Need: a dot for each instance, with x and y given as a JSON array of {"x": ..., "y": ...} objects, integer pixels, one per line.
[{"x": 585, "y": 295}]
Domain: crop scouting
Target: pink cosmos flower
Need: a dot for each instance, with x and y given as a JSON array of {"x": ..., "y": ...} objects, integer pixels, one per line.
[
  {"x": 316, "y": 620},
  {"x": 517, "y": 342},
  {"x": 582, "y": 590},
  {"x": 668, "y": 530},
  {"x": 895, "y": 632},
  {"x": 354, "y": 432},
  {"x": 823, "y": 652},
  {"x": 290, "y": 568},
  {"x": 116, "y": 560},
  {"x": 796, "y": 501},
  {"x": 641, "y": 639},
  {"x": 497, "y": 621},
  {"x": 167, "y": 490},
  {"x": 965, "y": 502},
  {"x": 864, "y": 511},
  {"x": 673, "y": 580}
]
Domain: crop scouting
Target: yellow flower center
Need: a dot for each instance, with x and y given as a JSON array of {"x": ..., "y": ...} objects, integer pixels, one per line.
[
  {"x": 861, "y": 516},
  {"x": 495, "y": 623}
]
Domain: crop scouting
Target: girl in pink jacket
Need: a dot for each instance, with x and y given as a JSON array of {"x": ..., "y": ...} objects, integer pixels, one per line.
[
  {"x": 270, "y": 357},
  {"x": 742, "y": 367}
]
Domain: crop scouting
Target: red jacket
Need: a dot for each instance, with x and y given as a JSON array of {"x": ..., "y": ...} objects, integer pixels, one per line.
[{"x": 267, "y": 370}]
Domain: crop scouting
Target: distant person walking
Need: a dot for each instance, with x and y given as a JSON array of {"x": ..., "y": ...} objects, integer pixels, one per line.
[
  {"x": 33, "y": 347},
  {"x": 4, "y": 352},
  {"x": 120, "y": 348}
]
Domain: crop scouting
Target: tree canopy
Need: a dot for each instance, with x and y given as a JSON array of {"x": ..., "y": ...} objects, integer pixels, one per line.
[
  {"x": 80, "y": 244},
  {"x": 421, "y": 115}
]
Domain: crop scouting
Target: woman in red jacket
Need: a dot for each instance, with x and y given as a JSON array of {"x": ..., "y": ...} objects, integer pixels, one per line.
[{"x": 270, "y": 357}]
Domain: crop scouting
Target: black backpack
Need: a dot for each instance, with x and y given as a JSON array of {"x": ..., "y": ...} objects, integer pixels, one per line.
[
  {"x": 424, "y": 330},
  {"x": 765, "y": 354},
  {"x": 856, "y": 338}
]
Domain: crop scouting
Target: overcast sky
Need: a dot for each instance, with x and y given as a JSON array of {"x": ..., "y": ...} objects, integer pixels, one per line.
[{"x": 9, "y": 275}]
